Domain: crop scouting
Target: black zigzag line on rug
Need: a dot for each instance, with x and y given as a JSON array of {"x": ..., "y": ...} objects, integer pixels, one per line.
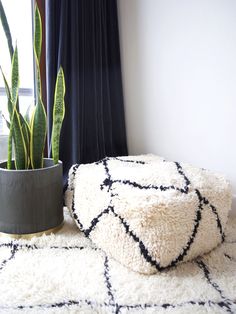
[
  {"x": 34, "y": 247},
  {"x": 207, "y": 275},
  {"x": 107, "y": 282},
  {"x": 110, "y": 293},
  {"x": 5, "y": 261},
  {"x": 17, "y": 245},
  {"x": 220, "y": 304},
  {"x": 94, "y": 305},
  {"x": 79, "y": 302}
]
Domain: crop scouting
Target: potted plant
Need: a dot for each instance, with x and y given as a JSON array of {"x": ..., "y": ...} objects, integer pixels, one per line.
[{"x": 31, "y": 191}]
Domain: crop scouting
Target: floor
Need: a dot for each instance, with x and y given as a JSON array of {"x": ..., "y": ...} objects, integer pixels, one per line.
[{"x": 66, "y": 273}]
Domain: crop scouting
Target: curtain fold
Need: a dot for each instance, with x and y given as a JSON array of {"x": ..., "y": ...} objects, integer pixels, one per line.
[{"x": 83, "y": 37}]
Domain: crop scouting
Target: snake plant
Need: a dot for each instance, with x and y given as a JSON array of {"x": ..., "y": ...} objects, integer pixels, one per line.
[{"x": 27, "y": 135}]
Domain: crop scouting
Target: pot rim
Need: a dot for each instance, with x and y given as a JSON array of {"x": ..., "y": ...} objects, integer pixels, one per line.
[{"x": 30, "y": 170}]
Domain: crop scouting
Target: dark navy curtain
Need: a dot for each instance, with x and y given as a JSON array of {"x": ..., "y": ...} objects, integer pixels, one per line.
[{"x": 83, "y": 37}]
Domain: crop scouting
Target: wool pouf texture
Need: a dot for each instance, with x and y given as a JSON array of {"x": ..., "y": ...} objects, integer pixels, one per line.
[
  {"x": 149, "y": 213},
  {"x": 66, "y": 273}
]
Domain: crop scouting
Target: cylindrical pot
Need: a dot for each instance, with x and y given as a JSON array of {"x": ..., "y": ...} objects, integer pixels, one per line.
[{"x": 31, "y": 201}]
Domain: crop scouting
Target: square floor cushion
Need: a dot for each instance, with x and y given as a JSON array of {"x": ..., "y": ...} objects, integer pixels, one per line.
[{"x": 148, "y": 213}]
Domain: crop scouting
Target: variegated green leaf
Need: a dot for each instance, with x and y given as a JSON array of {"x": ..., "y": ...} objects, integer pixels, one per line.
[
  {"x": 27, "y": 116},
  {"x": 8, "y": 93},
  {"x": 19, "y": 142},
  {"x": 6, "y": 29},
  {"x": 7, "y": 122},
  {"x": 58, "y": 114},
  {"x": 26, "y": 134},
  {"x": 15, "y": 79},
  {"x": 38, "y": 135},
  {"x": 38, "y": 79},
  {"x": 37, "y": 33},
  {"x": 9, "y": 153}
]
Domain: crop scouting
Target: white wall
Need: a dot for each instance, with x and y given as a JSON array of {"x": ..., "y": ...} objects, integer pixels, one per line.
[{"x": 179, "y": 76}]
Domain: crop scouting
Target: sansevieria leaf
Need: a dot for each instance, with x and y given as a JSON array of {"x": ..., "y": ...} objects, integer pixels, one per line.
[
  {"x": 6, "y": 29},
  {"x": 19, "y": 142},
  {"x": 9, "y": 152},
  {"x": 26, "y": 134},
  {"x": 37, "y": 33},
  {"x": 38, "y": 78},
  {"x": 15, "y": 79},
  {"x": 58, "y": 114},
  {"x": 37, "y": 48},
  {"x": 27, "y": 115},
  {"x": 38, "y": 135},
  {"x": 8, "y": 93}
]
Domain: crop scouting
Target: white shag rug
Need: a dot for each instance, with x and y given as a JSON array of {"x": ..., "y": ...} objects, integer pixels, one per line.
[{"x": 66, "y": 273}]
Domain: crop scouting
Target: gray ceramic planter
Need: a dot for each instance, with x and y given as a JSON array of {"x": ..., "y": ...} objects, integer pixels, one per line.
[{"x": 31, "y": 201}]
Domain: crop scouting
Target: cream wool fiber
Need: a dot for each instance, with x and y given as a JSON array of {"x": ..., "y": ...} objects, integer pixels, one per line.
[{"x": 147, "y": 213}]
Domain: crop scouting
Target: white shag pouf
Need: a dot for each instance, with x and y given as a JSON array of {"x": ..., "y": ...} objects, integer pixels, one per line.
[
  {"x": 148, "y": 213},
  {"x": 65, "y": 273}
]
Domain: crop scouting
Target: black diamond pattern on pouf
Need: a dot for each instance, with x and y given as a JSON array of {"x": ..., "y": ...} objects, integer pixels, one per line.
[{"x": 148, "y": 213}]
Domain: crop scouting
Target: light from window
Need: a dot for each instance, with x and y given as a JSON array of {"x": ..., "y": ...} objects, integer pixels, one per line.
[{"x": 19, "y": 15}]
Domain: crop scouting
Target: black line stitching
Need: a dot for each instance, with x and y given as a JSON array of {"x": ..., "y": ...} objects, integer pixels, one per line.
[
  {"x": 207, "y": 276},
  {"x": 107, "y": 281},
  {"x": 95, "y": 221},
  {"x": 34, "y": 247},
  {"x": 108, "y": 182},
  {"x": 94, "y": 304},
  {"x": 213, "y": 209},
  {"x": 232, "y": 259},
  {"x": 144, "y": 252},
  {"x": 14, "y": 249},
  {"x": 193, "y": 235}
]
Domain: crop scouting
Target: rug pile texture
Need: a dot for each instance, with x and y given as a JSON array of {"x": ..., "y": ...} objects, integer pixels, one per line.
[
  {"x": 66, "y": 273},
  {"x": 157, "y": 213}
]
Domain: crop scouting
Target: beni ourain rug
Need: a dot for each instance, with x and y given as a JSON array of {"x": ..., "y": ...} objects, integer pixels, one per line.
[{"x": 66, "y": 273}]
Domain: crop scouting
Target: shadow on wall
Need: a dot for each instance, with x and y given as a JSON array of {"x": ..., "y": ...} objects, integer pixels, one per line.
[
  {"x": 133, "y": 69},
  {"x": 179, "y": 78}
]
